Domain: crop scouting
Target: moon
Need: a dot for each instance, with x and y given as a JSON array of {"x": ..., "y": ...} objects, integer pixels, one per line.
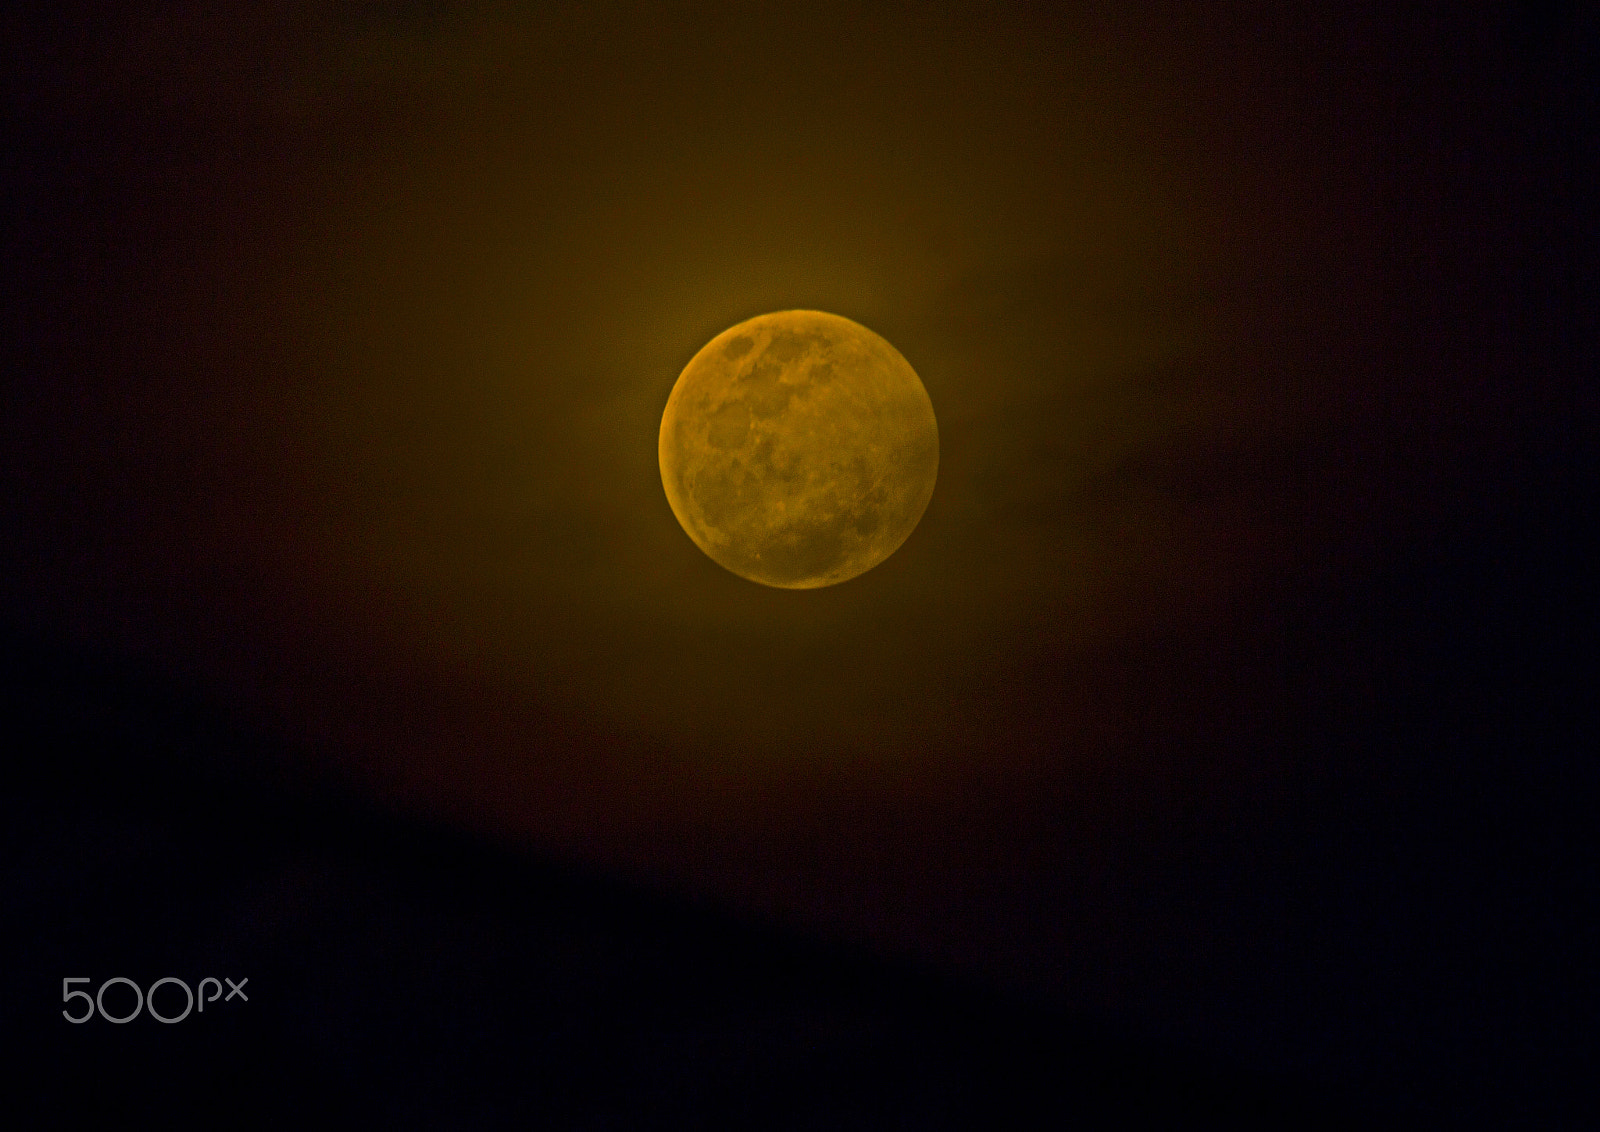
[{"x": 798, "y": 449}]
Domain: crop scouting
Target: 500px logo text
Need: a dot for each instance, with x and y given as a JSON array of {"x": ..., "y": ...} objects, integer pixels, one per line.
[{"x": 96, "y": 1003}]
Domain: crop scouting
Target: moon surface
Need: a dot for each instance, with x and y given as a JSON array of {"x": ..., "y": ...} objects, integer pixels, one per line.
[{"x": 798, "y": 449}]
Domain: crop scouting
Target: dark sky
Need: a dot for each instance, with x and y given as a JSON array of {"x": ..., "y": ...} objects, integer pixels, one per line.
[{"x": 1228, "y": 686}]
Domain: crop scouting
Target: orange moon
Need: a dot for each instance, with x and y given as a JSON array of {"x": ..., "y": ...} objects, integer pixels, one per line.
[{"x": 798, "y": 449}]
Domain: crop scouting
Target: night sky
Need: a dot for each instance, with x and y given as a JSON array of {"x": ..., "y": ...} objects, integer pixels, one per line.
[{"x": 1215, "y": 741}]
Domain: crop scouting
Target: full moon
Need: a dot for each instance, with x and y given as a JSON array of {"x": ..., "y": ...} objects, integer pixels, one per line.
[{"x": 798, "y": 449}]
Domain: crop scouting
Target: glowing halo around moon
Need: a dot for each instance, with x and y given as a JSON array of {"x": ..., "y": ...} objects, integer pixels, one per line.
[{"x": 798, "y": 449}]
